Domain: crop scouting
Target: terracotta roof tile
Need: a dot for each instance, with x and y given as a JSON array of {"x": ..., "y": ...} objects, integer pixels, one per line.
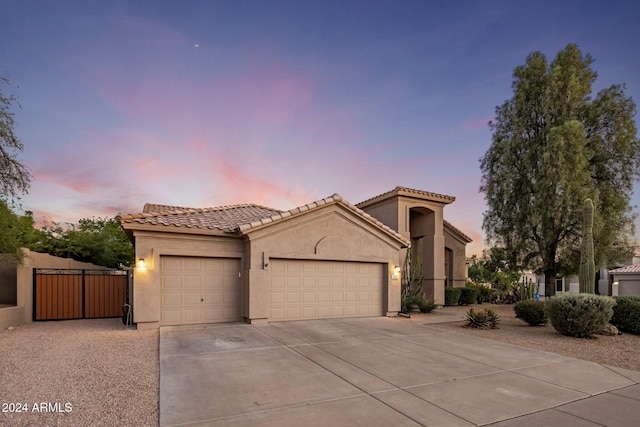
[
  {"x": 336, "y": 198},
  {"x": 635, "y": 268},
  {"x": 238, "y": 218},
  {"x": 457, "y": 230},
  {"x": 406, "y": 191},
  {"x": 225, "y": 218}
]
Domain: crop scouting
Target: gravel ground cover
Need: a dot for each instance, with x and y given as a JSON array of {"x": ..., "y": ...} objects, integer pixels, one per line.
[
  {"x": 622, "y": 351},
  {"x": 85, "y": 372}
]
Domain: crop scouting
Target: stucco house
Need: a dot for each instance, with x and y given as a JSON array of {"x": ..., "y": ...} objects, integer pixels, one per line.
[
  {"x": 627, "y": 279},
  {"x": 329, "y": 258}
]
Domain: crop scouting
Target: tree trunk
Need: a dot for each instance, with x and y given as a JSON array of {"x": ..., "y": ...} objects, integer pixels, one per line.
[{"x": 549, "y": 283}]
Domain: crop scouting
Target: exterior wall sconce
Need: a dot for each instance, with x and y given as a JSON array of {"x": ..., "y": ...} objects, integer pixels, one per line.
[
  {"x": 396, "y": 272},
  {"x": 141, "y": 263}
]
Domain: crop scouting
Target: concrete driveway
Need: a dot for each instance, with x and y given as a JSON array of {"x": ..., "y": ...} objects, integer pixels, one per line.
[{"x": 378, "y": 372}]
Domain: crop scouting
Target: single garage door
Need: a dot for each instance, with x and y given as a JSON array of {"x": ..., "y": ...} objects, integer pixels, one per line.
[
  {"x": 306, "y": 289},
  {"x": 199, "y": 290}
]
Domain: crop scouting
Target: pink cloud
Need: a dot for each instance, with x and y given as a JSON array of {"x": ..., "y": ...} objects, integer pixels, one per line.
[{"x": 477, "y": 123}]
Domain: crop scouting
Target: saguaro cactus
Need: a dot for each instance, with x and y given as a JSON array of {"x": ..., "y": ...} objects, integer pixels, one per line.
[{"x": 587, "y": 274}]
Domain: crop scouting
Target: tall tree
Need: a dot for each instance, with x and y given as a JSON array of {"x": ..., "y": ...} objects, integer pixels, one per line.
[
  {"x": 552, "y": 147},
  {"x": 15, "y": 178}
]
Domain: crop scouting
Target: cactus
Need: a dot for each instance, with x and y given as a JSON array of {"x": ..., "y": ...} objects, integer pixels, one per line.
[{"x": 587, "y": 274}]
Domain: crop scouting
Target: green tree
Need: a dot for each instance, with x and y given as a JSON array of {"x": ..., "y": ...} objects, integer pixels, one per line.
[
  {"x": 15, "y": 232},
  {"x": 100, "y": 241},
  {"x": 15, "y": 178},
  {"x": 552, "y": 147}
]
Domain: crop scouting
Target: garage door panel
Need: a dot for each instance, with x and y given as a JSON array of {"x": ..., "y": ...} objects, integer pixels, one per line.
[
  {"x": 293, "y": 297},
  {"x": 171, "y": 282},
  {"x": 192, "y": 282},
  {"x": 199, "y": 290},
  {"x": 277, "y": 297},
  {"x": 191, "y": 298},
  {"x": 172, "y": 316},
  {"x": 324, "y": 289},
  {"x": 171, "y": 299}
]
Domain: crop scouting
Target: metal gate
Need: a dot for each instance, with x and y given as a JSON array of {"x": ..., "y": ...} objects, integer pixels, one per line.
[{"x": 62, "y": 294}]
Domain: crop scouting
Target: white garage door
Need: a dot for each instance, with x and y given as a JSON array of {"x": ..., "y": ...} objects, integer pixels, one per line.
[
  {"x": 199, "y": 290},
  {"x": 305, "y": 289}
]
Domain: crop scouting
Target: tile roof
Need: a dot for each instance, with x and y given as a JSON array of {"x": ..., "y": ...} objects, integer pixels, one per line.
[
  {"x": 335, "y": 198},
  {"x": 411, "y": 192},
  {"x": 457, "y": 230},
  {"x": 238, "y": 218},
  {"x": 150, "y": 208},
  {"x": 225, "y": 218},
  {"x": 635, "y": 268}
]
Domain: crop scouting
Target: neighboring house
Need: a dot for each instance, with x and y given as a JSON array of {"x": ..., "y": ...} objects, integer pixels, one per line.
[
  {"x": 627, "y": 279},
  {"x": 604, "y": 278},
  {"x": 325, "y": 259}
]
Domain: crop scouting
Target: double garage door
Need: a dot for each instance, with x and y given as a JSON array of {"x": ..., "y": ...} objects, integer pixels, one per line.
[
  {"x": 207, "y": 290},
  {"x": 306, "y": 289}
]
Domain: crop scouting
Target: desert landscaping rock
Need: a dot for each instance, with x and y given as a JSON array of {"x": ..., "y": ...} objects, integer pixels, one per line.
[
  {"x": 85, "y": 372},
  {"x": 618, "y": 350}
]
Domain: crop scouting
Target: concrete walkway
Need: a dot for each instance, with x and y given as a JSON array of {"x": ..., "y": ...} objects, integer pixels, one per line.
[{"x": 379, "y": 372}]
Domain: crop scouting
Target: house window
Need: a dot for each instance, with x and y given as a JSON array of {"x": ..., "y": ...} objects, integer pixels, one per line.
[{"x": 559, "y": 285}]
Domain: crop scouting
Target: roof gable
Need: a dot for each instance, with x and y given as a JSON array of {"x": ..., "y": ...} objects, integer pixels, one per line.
[
  {"x": 457, "y": 231},
  {"x": 334, "y": 199},
  {"x": 238, "y": 218},
  {"x": 408, "y": 192}
]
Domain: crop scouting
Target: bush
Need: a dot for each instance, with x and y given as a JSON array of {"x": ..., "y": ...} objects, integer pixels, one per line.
[
  {"x": 406, "y": 306},
  {"x": 452, "y": 295},
  {"x": 468, "y": 296},
  {"x": 626, "y": 314},
  {"x": 531, "y": 312},
  {"x": 482, "y": 319},
  {"x": 484, "y": 292},
  {"x": 579, "y": 315},
  {"x": 425, "y": 305}
]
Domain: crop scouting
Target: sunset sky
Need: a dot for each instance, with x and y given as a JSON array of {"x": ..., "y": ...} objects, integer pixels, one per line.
[{"x": 279, "y": 103}]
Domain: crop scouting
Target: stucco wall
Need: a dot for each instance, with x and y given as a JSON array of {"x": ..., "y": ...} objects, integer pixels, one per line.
[
  {"x": 459, "y": 259},
  {"x": 150, "y": 246},
  {"x": 386, "y": 212},
  {"x": 23, "y": 311},
  {"x": 333, "y": 233}
]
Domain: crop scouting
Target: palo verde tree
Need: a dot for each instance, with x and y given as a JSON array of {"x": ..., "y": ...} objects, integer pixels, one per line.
[
  {"x": 553, "y": 146},
  {"x": 15, "y": 178}
]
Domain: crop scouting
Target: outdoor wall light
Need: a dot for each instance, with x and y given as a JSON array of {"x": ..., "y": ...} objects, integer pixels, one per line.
[
  {"x": 396, "y": 272},
  {"x": 141, "y": 263}
]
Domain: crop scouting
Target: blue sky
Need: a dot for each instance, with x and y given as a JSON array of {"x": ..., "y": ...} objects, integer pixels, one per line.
[{"x": 280, "y": 103}]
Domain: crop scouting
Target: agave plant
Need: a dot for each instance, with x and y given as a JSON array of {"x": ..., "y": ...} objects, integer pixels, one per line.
[{"x": 482, "y": 319}]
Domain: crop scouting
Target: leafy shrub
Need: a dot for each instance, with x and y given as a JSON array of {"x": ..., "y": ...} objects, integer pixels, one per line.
[
  {"x": 626, "y": 314},
  {"x": 468, "y": 296},
  {"x": 579, "y": 315},
  {"x": 425, "y": 305},
  {"x": 407, "y": 303},
  {"x": 482, "y": 319},
  {"x": 531, "y": 312},
  {"x": 484, "y": 292},
  {"x": 452, "y": 295}
]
